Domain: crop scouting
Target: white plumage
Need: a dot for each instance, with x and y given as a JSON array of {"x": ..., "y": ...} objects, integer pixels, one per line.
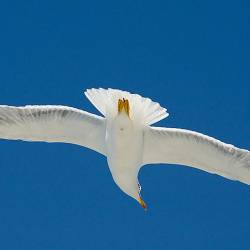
[
  {"x": 125, "y": 137},
  {"x": 53, "y": 124},
  {"x": 184, "y": 147},
  {"x": 142, "y": 110}
]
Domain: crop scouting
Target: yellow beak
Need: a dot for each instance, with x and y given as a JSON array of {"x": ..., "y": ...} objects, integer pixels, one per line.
[{"x": 142, "y": 203}]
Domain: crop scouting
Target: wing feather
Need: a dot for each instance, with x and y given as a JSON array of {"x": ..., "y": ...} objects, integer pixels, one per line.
[
  {"x": 53, "y": 124},
  {"x": 184, "y": 147}
]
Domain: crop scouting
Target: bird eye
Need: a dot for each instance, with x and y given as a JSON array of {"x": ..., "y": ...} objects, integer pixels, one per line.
[{"x": 139, "y": 186}]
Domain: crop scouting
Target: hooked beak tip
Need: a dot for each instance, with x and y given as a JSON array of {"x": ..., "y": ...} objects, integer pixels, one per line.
[{"x": 143, "y": 204}]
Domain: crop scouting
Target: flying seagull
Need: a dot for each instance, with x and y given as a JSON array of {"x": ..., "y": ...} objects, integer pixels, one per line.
[{"x": 125, "y": 136}]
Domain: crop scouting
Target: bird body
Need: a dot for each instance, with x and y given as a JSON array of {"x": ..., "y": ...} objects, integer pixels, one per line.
[
  {"x": 125, "y": 136},
  {"x": 124, "y": 141}
]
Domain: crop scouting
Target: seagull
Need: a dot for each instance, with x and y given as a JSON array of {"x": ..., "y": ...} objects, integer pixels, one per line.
[{"x": 125, "y": 136}]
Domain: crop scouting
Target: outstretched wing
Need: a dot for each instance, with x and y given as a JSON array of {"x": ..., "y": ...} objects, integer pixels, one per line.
[
  {"x": 53, "y": 124},
  {"x": 179, "y": 146}
]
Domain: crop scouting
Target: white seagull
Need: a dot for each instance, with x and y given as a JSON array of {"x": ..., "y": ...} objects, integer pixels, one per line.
[{"x": 125, "y": 136}]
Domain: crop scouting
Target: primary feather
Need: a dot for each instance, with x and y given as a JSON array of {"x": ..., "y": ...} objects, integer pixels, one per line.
[
  {"x": 53, "y": 124},
  {"x": 184, "y": 147}
]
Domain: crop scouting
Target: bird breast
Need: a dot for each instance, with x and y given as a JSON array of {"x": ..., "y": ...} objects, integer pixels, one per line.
[{"x": 124, "y": 142}]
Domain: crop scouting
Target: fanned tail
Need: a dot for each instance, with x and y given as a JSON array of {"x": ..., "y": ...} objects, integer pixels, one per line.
[{"x": 143, "y": 110}]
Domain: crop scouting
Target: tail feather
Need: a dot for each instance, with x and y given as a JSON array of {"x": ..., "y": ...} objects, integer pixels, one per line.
[{"x": 143, "y": 110}]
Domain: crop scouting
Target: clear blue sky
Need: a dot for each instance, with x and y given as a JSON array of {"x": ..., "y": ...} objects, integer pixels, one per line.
[{"x": 191, "y": 56}]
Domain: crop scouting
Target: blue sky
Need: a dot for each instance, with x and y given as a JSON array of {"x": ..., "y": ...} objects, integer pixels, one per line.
[{"x": 191, "y": 56}]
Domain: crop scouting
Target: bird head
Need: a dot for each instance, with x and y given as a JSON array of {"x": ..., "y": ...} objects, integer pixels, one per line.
[{"x": 129, "y": 184}]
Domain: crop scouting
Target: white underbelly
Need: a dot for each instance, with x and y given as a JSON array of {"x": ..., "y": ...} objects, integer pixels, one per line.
[{"x": 124, "y": 151}]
